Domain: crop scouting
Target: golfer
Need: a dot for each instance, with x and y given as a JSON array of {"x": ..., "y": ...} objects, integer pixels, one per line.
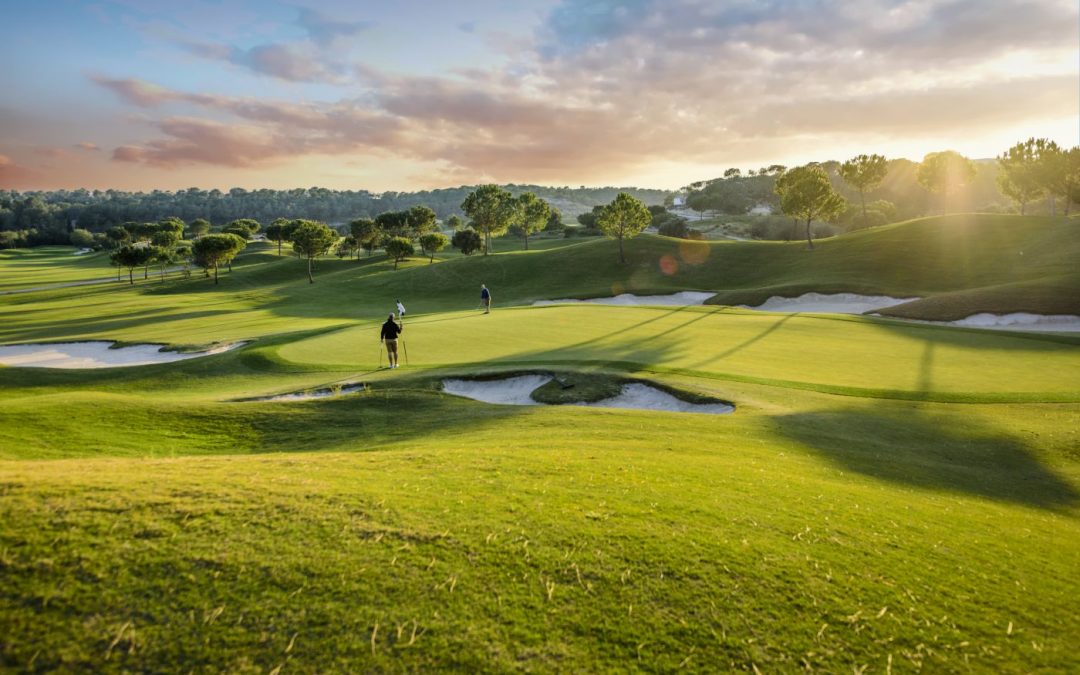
[
  {"x": 400, "y": 310},
  {"x": 485, "y": 299},
  {"x": 389, "y": 337}
]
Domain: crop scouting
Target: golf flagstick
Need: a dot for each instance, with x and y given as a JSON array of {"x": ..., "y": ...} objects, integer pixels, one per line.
[
  {"x": 404, "y": 347},
  {"x": 380, "y": 353}
]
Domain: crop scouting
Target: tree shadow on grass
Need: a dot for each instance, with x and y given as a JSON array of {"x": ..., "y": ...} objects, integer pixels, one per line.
[{"x": 919, "y": 450}]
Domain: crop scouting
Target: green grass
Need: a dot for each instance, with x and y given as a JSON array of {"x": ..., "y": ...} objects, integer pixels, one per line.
[
  {"x": 31, "y": 267},
  {"x": 886, "y": 495}
]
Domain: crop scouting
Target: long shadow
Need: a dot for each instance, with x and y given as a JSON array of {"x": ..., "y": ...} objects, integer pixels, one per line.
[
  {"x": 760, "y": 336},
  {"x": 927, "y": 453}
]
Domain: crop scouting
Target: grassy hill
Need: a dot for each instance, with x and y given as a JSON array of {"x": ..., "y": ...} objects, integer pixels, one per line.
[{"x": 887, "y": 495}]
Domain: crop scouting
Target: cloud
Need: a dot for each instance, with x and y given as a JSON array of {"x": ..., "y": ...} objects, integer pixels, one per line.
[
  {"x": 605, "y": 88},
  {"x": 467, "y": 26},
  {"x": 292, "y": 63},
  {"x": 137, "y": 92},
  {"x": 323, "y": 28},
  {"x": 87, "y": 146},
  {"x": 198, "y": 141}
]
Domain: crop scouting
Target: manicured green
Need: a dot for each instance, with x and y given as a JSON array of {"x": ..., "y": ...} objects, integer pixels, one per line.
[{"x": 887, "y": 495}]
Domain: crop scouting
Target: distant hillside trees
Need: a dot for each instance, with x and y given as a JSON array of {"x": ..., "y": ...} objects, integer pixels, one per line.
[
  {"x": 624, "y": 218},
  {"x": 944, "y": 173},
  {"x": 806, "y": 193},
  {"x": 864, "y": 172}
]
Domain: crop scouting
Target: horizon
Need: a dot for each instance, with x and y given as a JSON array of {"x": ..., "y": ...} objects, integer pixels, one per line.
[{"x": 143, "y": 96}]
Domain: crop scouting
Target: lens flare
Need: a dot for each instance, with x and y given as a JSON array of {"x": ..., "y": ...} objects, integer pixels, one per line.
[
  {"x": 694, "y": 252},
  {"x": 669, "y": 265}
]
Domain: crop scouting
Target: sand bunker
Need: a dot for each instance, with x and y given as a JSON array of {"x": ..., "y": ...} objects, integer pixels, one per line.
[
  {"x": 635, "y": 396},
  {"x": 313, "y": 394},
  {"x": 81, "y": 251},
  {"x": 95, "y": 355},
  {"x": 507, "y": 391},
  {"x": 680, "y": 299},
  {"x": 1021, "y": 321},
  {"x": 831, "y": 303}
]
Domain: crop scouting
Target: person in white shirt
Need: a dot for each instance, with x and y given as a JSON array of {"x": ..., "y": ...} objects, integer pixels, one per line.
[{"x": 400, "y": 310}]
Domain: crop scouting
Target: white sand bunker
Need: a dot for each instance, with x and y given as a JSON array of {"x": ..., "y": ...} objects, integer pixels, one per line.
[
  {"x": 1021, "y": 321},
  {"x": 831, "y": 303},
  {"x": 681, "y": 299},
  {"x": 635, "y": 396},
  {"x": 507, "y": 391},
  {"x": 95, "y": 355},
  {"x": 314, "y": 394},
  {"x": 81, "y": 251}
]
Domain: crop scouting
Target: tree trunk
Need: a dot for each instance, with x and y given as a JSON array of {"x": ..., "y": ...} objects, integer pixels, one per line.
[
  {"x": 131, "y": 276},
  {"x": 809, "y": 239},
  {"x": 487, "y": 242},
  {"x": 279, "y": 247},
  {"x": 118, "y": 268},
  {"x": 526, "y": 241},
  {"x": 432, "y": 258},
  {"x": 862, "y": 197},
  {"x": 1053, "y": 206},
  {"x": 215, "y": 273},
  {"x": 622, "y": 256},
  {"x": 163, "y": 274},
  {"x": 146, "y": 272},
  {"x": 310, "y": 278}
]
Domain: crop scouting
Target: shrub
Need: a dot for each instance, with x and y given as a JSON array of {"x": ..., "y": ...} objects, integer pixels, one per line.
[{"x": 466, "y": 241}]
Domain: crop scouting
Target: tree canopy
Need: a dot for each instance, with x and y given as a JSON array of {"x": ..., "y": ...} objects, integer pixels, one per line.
[
  {"x": 806, "y": 193},
  {"x": 624, "y": 218},
  {"x": 945, "y": 172},
  {"x": 214, "y": 250},
  {"x": 532, "y": 214},
  {"x": 311, "y": 239},
  {"x": 491, "y": 210},
  {"x": 864, "y": 172}
]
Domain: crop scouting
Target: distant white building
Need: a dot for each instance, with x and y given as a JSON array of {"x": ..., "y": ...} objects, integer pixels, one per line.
[
  {"x": 678, "y": 201},
  {"x": 761, "y": 210}
]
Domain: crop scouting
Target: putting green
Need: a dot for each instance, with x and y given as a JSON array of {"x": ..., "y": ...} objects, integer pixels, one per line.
[{"x": 832, "y": 351}]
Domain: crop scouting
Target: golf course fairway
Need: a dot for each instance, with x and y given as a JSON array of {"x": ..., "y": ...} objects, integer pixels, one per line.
[{"x": 888, "y": 496}]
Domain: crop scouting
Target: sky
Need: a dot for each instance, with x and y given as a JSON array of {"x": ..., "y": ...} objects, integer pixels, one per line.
[{"x": 408, "y": 95}]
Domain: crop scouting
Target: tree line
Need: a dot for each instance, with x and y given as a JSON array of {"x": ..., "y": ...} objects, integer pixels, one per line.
[
  {"x": 47, "y": 217},
  {"x": 826, "y": 191}
]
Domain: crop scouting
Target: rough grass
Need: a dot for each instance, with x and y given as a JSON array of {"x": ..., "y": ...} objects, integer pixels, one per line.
[{"x": 887, "y": 496}]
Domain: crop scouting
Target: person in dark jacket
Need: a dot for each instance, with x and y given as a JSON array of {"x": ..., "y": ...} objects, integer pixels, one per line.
[
  {"x": 485, "y": 299},
  {"x": 389, "y": 337}
]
